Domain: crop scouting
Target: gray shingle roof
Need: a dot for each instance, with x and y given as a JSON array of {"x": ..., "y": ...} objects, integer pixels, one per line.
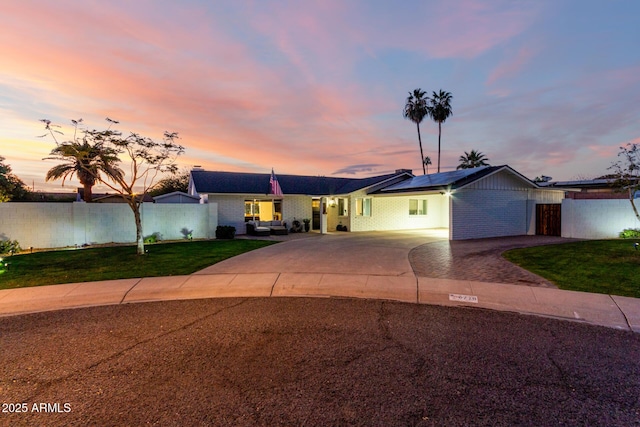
[{"x": 258, "y": 183}]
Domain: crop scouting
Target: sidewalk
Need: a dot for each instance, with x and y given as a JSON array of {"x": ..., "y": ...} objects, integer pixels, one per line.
[{"x": 598, "y": 309}]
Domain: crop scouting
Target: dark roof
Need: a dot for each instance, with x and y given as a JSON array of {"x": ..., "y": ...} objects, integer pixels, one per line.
[
  {"x": 105, "y": 198},
  {"x": 258, "y": 183},
  {"x": 448, "y": 180},
  {"x": 175, "y": 193},
  {"x": 584, "y": 183}
]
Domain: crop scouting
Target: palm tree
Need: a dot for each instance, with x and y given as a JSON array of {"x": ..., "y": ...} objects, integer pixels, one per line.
[
  {"x": 427, "y": 162},
  {"x": 474, "y": 159},
  {"x": 415, "y": 110},
  {"x": 439, "y": 110},
  {"x": 84, "y": 160}
]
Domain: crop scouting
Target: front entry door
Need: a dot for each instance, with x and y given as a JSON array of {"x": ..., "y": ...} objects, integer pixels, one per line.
[{"x": 315, "y": 211}]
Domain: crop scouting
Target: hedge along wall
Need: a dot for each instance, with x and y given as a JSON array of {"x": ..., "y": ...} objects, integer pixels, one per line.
[
  {"x": 56, "y": 225},
  {"x": 597, "y": 219}
]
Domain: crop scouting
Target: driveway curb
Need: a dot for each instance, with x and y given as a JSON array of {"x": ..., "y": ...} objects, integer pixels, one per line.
[{"x": 597, "y": 309}]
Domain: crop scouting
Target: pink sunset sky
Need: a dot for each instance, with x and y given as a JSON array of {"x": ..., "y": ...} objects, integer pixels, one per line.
[{"x": 318, "y": 87}]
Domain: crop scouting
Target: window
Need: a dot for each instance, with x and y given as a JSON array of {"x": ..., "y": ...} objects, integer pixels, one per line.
[
  {"x": 363, "y": 207},
  {"x": 343, "y": 207},
  {"x": 262, "y": 210},
  {"x": 417, "y": 207}
]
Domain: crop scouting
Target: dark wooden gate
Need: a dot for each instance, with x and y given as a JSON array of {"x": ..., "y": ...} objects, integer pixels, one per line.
[{"x": 548, "y": 219}]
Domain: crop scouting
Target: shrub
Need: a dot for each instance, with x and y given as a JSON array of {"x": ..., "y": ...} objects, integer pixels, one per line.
[
  {"x": 155, "y": 237},
  {"x": 188, "y": 234},
  {"x": 9, "y": 246},
  {"x": 225, "y": 232},
  {"x": 630, "y": 233}
]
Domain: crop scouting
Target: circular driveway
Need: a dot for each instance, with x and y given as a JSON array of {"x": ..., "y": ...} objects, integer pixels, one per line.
[
  {"x": 423, "y": 253},
  {"x": 375, "y": 253}
]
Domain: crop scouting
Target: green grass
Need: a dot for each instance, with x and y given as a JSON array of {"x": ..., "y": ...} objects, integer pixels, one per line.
[
  {"x": 118, "y": 262},
  {"x": 599, "y": 266}
]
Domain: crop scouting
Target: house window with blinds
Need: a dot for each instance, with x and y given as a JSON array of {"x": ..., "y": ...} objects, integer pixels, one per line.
[
  {"x": 363, "y": 207},
  {"x": 343, "y": 207},
  {"x": 417, "y": 207}
]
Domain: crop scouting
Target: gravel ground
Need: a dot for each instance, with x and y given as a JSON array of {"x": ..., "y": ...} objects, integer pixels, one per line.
[{"x": 318, "y": 362}]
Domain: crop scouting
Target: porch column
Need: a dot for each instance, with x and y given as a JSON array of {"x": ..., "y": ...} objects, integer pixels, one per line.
[{"x": 323, "y": 215}]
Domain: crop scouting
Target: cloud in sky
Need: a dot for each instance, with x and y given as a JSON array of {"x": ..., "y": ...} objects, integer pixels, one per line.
[{"x": 318, "y": 87}]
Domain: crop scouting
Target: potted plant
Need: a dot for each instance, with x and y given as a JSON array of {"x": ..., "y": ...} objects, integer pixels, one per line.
[{"x": 307, "y": 224}]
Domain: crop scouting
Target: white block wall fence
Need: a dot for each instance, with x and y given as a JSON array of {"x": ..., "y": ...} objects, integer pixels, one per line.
[
  {"x": 57, "y": 225},
  {"x": 597, "y": 218}
]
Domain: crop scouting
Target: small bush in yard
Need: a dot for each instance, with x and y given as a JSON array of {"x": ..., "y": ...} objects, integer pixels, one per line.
[
  {"x": 153, "y": 238},
  {"x": 225, "y": 232},
  {"x": 630, "y": 233},
  {"x": 9, "y": 246}
]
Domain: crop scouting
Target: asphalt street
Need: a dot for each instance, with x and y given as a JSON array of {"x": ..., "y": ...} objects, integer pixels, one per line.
[{"x": 313, "y": 361}]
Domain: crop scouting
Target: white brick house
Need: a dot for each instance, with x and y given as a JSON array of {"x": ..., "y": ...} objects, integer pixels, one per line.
[{"x": 483, "y": 202}]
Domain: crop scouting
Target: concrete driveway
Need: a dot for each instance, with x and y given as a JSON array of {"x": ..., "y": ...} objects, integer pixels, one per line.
[{"x": 373, "y": 253}]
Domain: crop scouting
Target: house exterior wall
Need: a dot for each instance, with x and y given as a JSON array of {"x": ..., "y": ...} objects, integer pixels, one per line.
[
  {"x": 498, "y": 205},
  {"x": 597, "y": 219},
  {"x": 392, "y": 213},
  {"x": 231, "y": 208},
  {"x": 55, "y": 225},
  {"x": 295, "y": 207},
  {"x": 546, "y": 196},
  {"x": 478, "y": 214}
]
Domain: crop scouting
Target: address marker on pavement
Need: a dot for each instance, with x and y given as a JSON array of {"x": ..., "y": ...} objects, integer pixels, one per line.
[{"x": 463, "y": 298}]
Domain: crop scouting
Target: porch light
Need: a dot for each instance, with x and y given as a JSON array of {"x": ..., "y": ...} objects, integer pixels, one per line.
[{"x": 332, "y": 202}]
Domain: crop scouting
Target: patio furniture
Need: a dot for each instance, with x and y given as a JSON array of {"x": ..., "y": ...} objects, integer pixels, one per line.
[
  {"x": 254, "y": 230},
  {"x": 265, "y": 228}
]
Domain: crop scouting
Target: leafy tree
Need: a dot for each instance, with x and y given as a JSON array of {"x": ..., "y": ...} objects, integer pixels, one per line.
[
  {"x": 146, "y": 158},
  {"x": 440, "y": 110},
  {"x": 474, "y": 159},
  {"x": 627, "y": 173},
  {"x": 11, "y": 187},
  {"x": 178, "y": 182},
  {"x": 415, "y": 109},
  {"x": 84, "y": 157}
]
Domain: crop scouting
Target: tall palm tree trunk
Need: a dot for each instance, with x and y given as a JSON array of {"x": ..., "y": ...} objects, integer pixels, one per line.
[
  {"x": 421, "y": 153},
  {"x": 88, "y": 195},
  {"x": 439, "y": 133}
]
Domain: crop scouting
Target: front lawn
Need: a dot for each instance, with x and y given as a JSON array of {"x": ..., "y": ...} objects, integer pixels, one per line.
[
  {"x": 600, "y": 266},
  {"x": 118, "y": 262}
]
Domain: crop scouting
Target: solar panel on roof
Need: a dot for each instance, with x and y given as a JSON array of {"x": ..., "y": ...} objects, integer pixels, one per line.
[{"x": 435, "y": 179}]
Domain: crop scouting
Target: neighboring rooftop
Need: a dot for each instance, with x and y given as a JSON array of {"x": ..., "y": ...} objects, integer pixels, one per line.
[{"x": 583, "y": 183}]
